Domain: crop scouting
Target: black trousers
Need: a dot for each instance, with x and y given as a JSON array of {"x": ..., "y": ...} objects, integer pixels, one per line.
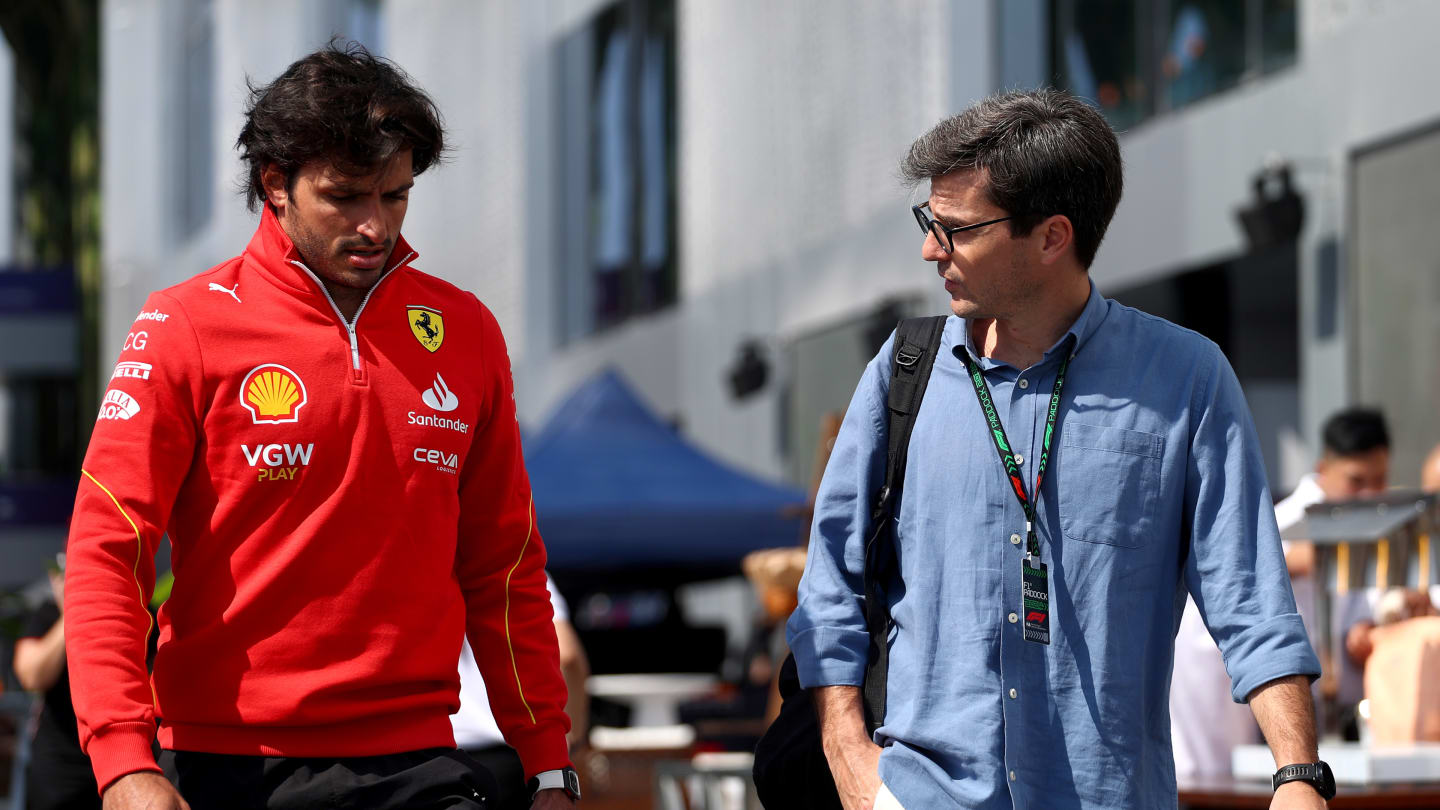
[
  {"x": 512, "y": 792},
  {"x": 434, "y": 778}
]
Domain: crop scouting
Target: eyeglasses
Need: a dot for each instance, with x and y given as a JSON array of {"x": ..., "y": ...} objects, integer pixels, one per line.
[{"x": 944, "y": 236}]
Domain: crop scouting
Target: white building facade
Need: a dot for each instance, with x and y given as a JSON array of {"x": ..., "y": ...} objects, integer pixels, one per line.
[{"x": 653, "y": 184}]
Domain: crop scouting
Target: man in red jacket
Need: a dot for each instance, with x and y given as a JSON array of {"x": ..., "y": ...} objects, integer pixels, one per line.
[{"x": 328, "y": 436}]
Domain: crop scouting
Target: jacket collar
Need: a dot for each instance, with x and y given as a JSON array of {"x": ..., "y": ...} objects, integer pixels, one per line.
[{"x": 273, "y": 253}]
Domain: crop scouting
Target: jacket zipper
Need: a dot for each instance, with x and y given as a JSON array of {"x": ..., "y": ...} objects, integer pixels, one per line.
[{"x": 358, "y": 372}]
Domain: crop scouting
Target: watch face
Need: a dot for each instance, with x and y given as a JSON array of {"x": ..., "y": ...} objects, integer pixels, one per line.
[
  {"x": 1327, "y": 781},
  {"x": 572, "y": 783}
]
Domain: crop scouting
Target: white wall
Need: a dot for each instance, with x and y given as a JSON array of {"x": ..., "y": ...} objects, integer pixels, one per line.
[
  {"x": 467, "y": 217},
  {"x": 132, "y": 47},
  {"x": 793, "y": 122}
]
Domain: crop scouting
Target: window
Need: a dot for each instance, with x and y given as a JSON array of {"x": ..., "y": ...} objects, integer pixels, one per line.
[
  {"x": 1096, "y": 47},
  {"x": 38, "y": 419},
  {"x": 195, "y": 112},
  {"x": 1139, "y": 58},
  {"x": 615, "y": 231},
  {"x": 1277, "y": 35}
]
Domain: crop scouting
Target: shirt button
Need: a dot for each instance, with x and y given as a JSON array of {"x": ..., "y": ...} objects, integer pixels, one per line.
[
  {"x": 1014, "y": 618},
  {"x": 1014, "y": 694},
  {"x": 1024, "y": 383},
  {"x": 1012, "y": 776},
  {"x": 1014, "y": 539},
  {"x": 1019, "y": 459}
]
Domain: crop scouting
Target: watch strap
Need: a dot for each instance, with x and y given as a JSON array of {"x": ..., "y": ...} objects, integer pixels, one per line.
[
  {"x": 565, "y": 779},
  {"x": 1315, "y": 774}
]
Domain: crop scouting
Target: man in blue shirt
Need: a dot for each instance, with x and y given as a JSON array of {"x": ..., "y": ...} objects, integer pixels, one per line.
[{"x": 1034, "y": 621}]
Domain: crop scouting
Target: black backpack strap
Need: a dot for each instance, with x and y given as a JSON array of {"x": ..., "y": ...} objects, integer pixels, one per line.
[{"x": 917, "y": 340}]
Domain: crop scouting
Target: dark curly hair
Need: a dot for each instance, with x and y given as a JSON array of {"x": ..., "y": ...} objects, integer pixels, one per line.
[
  {"x": 1045, "y": 151},
  {"x": 339, "y": 104}
]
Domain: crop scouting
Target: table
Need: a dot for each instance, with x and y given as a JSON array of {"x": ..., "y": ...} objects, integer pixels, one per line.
[
  {"x": 654, "y": 699},
  {"x": 621, "y": 780},
  {"x": 1224, "y": 792}
]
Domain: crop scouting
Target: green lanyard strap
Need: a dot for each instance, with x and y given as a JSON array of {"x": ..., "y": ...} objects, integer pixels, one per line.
[{"x": 1002, "y": 444}]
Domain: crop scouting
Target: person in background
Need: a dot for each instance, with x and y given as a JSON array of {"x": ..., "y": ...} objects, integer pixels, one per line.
[
  {"x": 1396, "y": 605},
  {"x": 59, "y": 774},
  {"x": 1430, "y": 485},
  {"x": 1188, "y": 67},
  {"x": 1354, "y": 463},
  {"x": 476, "y": 732},
  {"x": 1430, "y": 471}
]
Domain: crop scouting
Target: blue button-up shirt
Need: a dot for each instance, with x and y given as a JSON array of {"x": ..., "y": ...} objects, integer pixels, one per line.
[{"x": 1155, "y": 488}]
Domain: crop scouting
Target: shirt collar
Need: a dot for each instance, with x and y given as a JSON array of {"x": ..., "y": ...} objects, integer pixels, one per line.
[
  {"x": 272, "y": 250},
  {"x": 1080, "y": 331},
  {"x": 1087, "y": 324}
]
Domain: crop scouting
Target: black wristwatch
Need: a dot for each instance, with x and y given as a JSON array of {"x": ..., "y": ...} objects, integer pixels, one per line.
[
  {"x": 1315, "y": 774},
  {"x": 565, "y": 779}
]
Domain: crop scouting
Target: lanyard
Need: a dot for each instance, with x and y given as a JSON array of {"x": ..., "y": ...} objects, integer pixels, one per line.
[{"x": 1002, "y": 444}]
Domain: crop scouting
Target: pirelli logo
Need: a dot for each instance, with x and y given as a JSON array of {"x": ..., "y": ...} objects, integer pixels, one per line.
[{"x": 132, "y": 371}]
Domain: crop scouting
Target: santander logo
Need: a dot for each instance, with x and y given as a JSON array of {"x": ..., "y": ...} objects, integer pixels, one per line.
[{"x": 440, "y": 397}]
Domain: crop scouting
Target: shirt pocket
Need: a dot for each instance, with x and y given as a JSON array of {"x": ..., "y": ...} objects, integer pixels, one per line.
[{"x": 1109, "y": 484}]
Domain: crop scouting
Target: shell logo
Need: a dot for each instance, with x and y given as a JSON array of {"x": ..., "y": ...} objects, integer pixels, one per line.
[{"x": 273, "y": 394}]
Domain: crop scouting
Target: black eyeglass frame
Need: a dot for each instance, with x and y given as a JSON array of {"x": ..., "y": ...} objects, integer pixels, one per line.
[{"x": 930, "y": 226}]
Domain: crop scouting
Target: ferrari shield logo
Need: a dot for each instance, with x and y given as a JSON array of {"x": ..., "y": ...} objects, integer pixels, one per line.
[{"x": 427, "y": 325}]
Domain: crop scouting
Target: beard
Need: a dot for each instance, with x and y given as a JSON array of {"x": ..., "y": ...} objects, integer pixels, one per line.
[{"x": 330, "y": 263}]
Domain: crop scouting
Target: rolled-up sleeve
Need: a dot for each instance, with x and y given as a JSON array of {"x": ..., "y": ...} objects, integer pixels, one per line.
[
  {"x": 827, "y": 631},
  {"x": 1236, "y": 570}
]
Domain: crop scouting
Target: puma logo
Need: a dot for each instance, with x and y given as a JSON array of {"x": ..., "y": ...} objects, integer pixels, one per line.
[{"x": 230, "y": 291}]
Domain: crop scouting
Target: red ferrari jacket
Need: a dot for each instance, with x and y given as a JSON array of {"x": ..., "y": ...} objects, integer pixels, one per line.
[{"x": 343, "y": 502}]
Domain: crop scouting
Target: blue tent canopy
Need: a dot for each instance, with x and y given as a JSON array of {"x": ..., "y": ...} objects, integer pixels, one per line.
[{"x": 616, "y": 488}]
